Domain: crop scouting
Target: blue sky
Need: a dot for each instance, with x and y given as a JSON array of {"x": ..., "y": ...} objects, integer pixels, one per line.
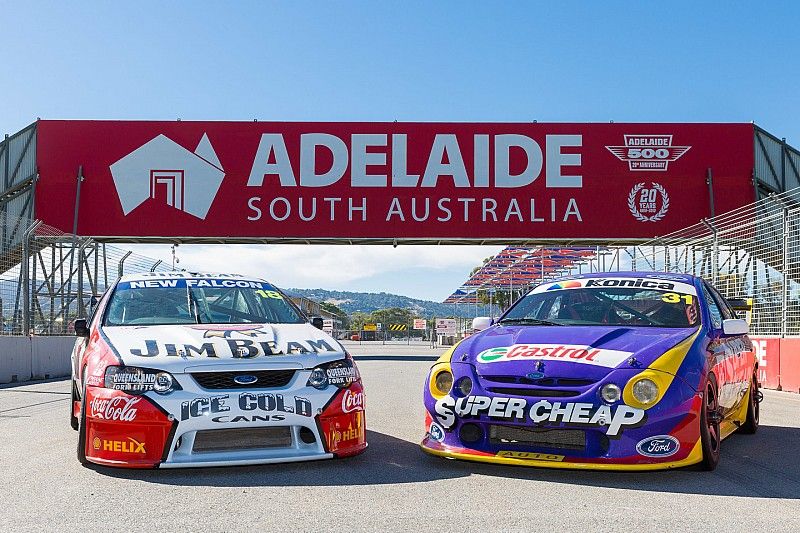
[{"x": 408, "y": 61}]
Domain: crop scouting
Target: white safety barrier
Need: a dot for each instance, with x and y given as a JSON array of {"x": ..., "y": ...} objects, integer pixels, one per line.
[{"x": 27, "y": 358}]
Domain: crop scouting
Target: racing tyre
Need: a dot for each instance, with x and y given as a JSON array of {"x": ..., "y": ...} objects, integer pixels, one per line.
[
  {"x": 710, "y": 418},
  {"x": 750, "y": 425},
  {"x": 82, "y": 426},
  {"x": 73, "y": 420}
]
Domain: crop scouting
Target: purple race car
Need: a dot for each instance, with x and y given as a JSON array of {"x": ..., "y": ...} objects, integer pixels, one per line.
[{"x": 614, "y": 371}]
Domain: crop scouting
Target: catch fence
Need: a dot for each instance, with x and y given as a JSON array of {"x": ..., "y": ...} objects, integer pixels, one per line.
[
  {"x": 49, "y": 278},
  {"x": 751, "y": 252}
]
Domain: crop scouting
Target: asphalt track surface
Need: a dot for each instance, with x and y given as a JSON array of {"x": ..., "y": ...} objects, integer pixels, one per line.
[{"x": 393, "y": 486}]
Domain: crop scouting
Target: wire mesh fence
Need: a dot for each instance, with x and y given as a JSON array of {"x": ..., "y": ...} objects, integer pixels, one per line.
[
  {"x": 751, "y": 252},
  {"x": 49, "y": 278}
]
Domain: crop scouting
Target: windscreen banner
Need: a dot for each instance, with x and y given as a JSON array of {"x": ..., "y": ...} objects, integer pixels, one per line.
[{"x": 325, "y": 180}]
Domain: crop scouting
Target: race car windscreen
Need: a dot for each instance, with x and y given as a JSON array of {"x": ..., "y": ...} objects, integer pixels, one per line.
[
  {"x": 607, "y": 306},
  {"x": 198, "y": 301}
]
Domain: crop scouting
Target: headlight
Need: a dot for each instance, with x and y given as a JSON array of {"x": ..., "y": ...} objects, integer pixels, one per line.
[
  {"x": 444, "y": 382},
  {"x": 340, "y": 374},
  {"x": 135, "y": 380},
  {"x": 610, "y": 393},
  {"x": 645, "y": 391},
  {"x": 464, "y": 386}
]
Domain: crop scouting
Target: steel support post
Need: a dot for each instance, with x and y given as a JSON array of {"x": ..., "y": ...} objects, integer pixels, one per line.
[
  {"x": 26, "y": 282},
  {"x": 714, "y": 251},
  {"x": 785, "y": 274},
  {"x": 122, "y": 262}
]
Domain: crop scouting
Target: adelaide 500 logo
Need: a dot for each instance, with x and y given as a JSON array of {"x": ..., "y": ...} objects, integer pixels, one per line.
[{"x": 648, "y": 152}]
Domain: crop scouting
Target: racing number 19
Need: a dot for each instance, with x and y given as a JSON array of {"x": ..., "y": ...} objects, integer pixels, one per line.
[{"x": 269, "y": 294}]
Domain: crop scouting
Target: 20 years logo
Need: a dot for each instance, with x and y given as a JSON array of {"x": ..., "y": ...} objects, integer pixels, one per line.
[{"x": 648, "y": 204}]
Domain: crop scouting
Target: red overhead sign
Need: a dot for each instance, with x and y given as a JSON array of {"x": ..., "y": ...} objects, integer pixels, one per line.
[{"x": 273, "y": 180}]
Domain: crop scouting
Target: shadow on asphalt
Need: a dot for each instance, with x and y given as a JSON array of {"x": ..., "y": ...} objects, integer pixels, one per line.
[
  {"x": 395, "y": 357},
  {"x": 762, "y": 465}
]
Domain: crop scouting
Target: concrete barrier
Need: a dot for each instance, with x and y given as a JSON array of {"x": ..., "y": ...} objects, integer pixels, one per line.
[
  {"x": 27, "y": 358},
  {"x": 778, "y": 362}
]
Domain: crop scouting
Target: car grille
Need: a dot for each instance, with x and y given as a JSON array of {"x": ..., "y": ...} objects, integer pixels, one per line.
[
  {"x": 267, "y": 379},
  {"x": 569, "y": 439},
  {"x": 547, "y": 393},
  {"x": 222, "y": 440},
  {"x": 543, "y": 382}
]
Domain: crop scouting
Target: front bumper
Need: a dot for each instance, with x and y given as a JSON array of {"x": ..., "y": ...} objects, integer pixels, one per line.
[
  {"x": 202, "y": 428},
  {"x": 579, "y": 431},
  {"x": 554, "y": 460}
]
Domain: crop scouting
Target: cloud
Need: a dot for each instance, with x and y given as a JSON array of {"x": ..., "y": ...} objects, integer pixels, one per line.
[{"x": 334, "y": 266}]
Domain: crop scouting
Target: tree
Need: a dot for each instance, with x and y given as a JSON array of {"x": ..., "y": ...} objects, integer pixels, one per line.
[
  {"x": 333, "y": 308},
  {"x": 392, "y": 315},
  {"x": 358, "y": 319}
]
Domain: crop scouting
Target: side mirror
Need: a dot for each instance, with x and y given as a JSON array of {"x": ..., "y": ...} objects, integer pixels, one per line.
[
  {"x": 735, "y": 326},
  {"x": 317, "y": 322},
  {"x": 81, "y": 329},
  {"x": 480, "y": 323}
]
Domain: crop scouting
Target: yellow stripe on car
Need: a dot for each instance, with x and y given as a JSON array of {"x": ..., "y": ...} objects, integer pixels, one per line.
[
  {"x": 661, "y": 372},
  {"x": 694, "y": 457}
]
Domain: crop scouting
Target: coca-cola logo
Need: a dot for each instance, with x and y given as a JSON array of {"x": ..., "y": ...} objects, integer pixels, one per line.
[
  {"x": 117, "y": 408},
  {"x": 352, "y": 401}
]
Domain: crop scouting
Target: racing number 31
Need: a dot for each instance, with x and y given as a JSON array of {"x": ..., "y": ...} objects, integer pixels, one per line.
[{"x": 674, "y": 297}]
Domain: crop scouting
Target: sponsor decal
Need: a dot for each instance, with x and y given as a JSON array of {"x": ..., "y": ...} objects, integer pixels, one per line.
[
  {"x": 226, "y": 333},
  {"x": 658, "y": 446},
  {"x": 247, "y": 401},
  {"x": 134, "y": 382},
  {"x": 118, "y": 408},
  {"x": 571, "y": 284},
  {"x": 162, "y": 168},
  {"x": 530, "y": 456},
  {"x": 648, "y": 204},
  {"x": 573, "y": 353},
  {"x": 225, "y": 419},
  {"x": 614, "y": 418},
  {"x": 436, "y": 432},
  {"x": 648, "y": 152},
  {"x": 119, "y": 446},
  {"x": 336, "y": 437},
  {"x": 237, "y": 348},
  {"x": 182, "y": 283},
  {"x": 654, "y": 283},
  {"x": 341, "y": 373},
  {"x": 352, "y": 401}
]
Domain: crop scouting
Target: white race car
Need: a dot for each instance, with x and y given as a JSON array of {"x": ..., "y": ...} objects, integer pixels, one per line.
[{"x": 185, "y": 369}]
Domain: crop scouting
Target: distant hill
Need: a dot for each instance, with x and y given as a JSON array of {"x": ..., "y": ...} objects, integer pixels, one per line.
[{"x": 367, "y": 302}]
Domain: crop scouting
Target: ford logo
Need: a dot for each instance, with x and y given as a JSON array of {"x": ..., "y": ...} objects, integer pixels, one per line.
[
  {"x": 534, "y": 375},
  {"x": 245, "y": 379},
  {"x": 658, "y": 446},
  {"x": 436, "y": 432}
]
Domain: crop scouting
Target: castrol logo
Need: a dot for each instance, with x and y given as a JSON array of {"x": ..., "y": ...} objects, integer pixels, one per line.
[
  {"x": 119, "y": 408},
  {"x": 352, "y": 401}
]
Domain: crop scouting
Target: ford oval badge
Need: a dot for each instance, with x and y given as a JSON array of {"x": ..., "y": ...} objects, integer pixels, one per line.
[
  {"x": 658, "y": 446},
  {"x": 245, "y": 379},
  {"x": 534, "y": 375}
]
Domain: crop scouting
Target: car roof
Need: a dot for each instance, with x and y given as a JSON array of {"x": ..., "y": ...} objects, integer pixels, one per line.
[
  {"x": 182, "y": 274},
  {"x": 672, "y": 276}
]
